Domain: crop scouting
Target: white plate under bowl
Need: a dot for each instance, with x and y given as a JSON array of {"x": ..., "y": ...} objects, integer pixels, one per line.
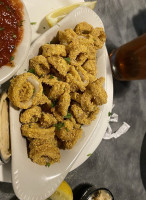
[
  {"x": 31, "y": 181},
  {"x": 21, "y": 52}
]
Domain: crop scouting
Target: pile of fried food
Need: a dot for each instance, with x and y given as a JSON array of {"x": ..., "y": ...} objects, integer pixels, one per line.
[{"x": 60, "y": 92}]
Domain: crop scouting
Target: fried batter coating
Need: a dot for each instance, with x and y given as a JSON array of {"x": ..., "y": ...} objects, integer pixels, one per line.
[
  {"x": 99, "y": 37},
  {"x": 76, "y": 96},
  {"x": 83, "y": 28},
  {"x": 25, "y": 90},
  {"x": 58, "y": 89},
  {"x": 59, "y": 64},
  {"x": 86, "y": 102},
  {"x": 90, "y": 67},
  {"x": 66, "y": 132},
  {"x": 66, "y": 36},
  {"x": 35, "y": 131},
  {"x": 95, "y": 34},
  {"x": 79, "y": 114},
  {"x": 64, "y": 103},
  {"x": 49, "y": 50},
  {"x": 48, "y": 80},
  {"x": 91, "y": 53},
  {"x": 37, "y": 142},
  {"x": 47, "y": 120},
  {"x": 30, "y": 115},
  {"x": 78, "y": 50},
  {"x": 77, "y": 79},
  {"x": 57, "y": 115},
  {"x": 44, "y": 154},
  {"x": 69, "y": 134},
  {"x": 69, "y": 144},
  {"x": 99, "y": 93},
  {"x": 40, "y": 65},
  {"x": 44, "y": 100}
]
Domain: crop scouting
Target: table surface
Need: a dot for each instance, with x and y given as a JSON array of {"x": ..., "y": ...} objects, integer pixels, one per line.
[{"x": 117, "y": 164}]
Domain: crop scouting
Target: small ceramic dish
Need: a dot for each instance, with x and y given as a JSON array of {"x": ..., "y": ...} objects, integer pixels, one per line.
[
  {"x": 93, "y": 193},
  {"x": 6, "y": 72}
]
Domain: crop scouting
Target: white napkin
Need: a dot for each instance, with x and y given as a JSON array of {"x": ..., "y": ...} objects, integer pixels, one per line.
[{"x": 123, "y": 129}]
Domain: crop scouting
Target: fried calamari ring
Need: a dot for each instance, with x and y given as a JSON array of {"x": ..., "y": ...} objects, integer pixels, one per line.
[
  {"x": 44, "y": 154},
  {"x": 25, "y": 90},
  {"x": 53, "y": 50},
  {"x": 34, "y": 131},
  {"x": 66, "y": 36},
  {"x": 40, "y": 65},
  {"x": 47, "y": 120},
  {"x": 98, "y": 92},
  {"x": 83, "y": 28},
  {"x": 31, "y": 115},
  {"x": 37, "y": 142}
]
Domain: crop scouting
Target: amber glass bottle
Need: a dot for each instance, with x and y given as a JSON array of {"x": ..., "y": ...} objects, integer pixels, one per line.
[{"x": 128, "y": 62}]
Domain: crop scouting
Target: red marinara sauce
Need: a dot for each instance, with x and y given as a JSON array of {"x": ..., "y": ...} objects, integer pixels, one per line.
[{"x": 11, "y": 29}]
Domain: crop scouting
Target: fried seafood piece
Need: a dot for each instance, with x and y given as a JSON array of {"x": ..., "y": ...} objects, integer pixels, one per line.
[
  {"x": 45, "y": 154},
  {"x": 95, "y": 34},
  {"x": 25, "y": 90},
  {"x": 79, "y": 114},
  {"x": 64, "y": 103},
  {"x": 66, "y": 36},
  {"x": 68, "y": 144},
  {"x": 59, "y": 64},
  {"x": 92, "y": 78},
  {"x": 83, "y": 28},
  {"x": 90, "y": 67},
  {"x": 49, "y": 80},
  {"x": 69, "y": 134},
  {"x": 83, "y": 117},
  {"x": 66, "y": 131},
  {"x": 49, "y": 50},
  {"x": 87, "y": 103},
  {"x": 47, "y": 120},
  {"x": 37, "y": 142},
  {"x": 76, "y": 96},
  {"x": 98, "y": 92},
  {"x": 44, "y": 100},
  {"x": 58, "y": 89},
  {"x": 91, "y": 53},
  {"x": 77, "y": 78},
  {"x": 40, "y": 65},
  {"x": 35, "y": 131},
  {"x": 57, "y": 115},
  {"x": 99, "y": 37},
  {"x": 30, "y": 115},
  {"x": 78, "y": 50}
]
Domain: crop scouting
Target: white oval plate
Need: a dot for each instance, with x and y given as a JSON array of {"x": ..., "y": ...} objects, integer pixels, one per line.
[
  {"x": 31, "y": 181},
  {"x": 21, "y": 52}
]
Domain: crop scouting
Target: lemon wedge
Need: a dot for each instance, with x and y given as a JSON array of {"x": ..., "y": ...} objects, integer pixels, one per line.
[
  {"x": 63, "y": 192},
  {"x": 55, "y": 16}
]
